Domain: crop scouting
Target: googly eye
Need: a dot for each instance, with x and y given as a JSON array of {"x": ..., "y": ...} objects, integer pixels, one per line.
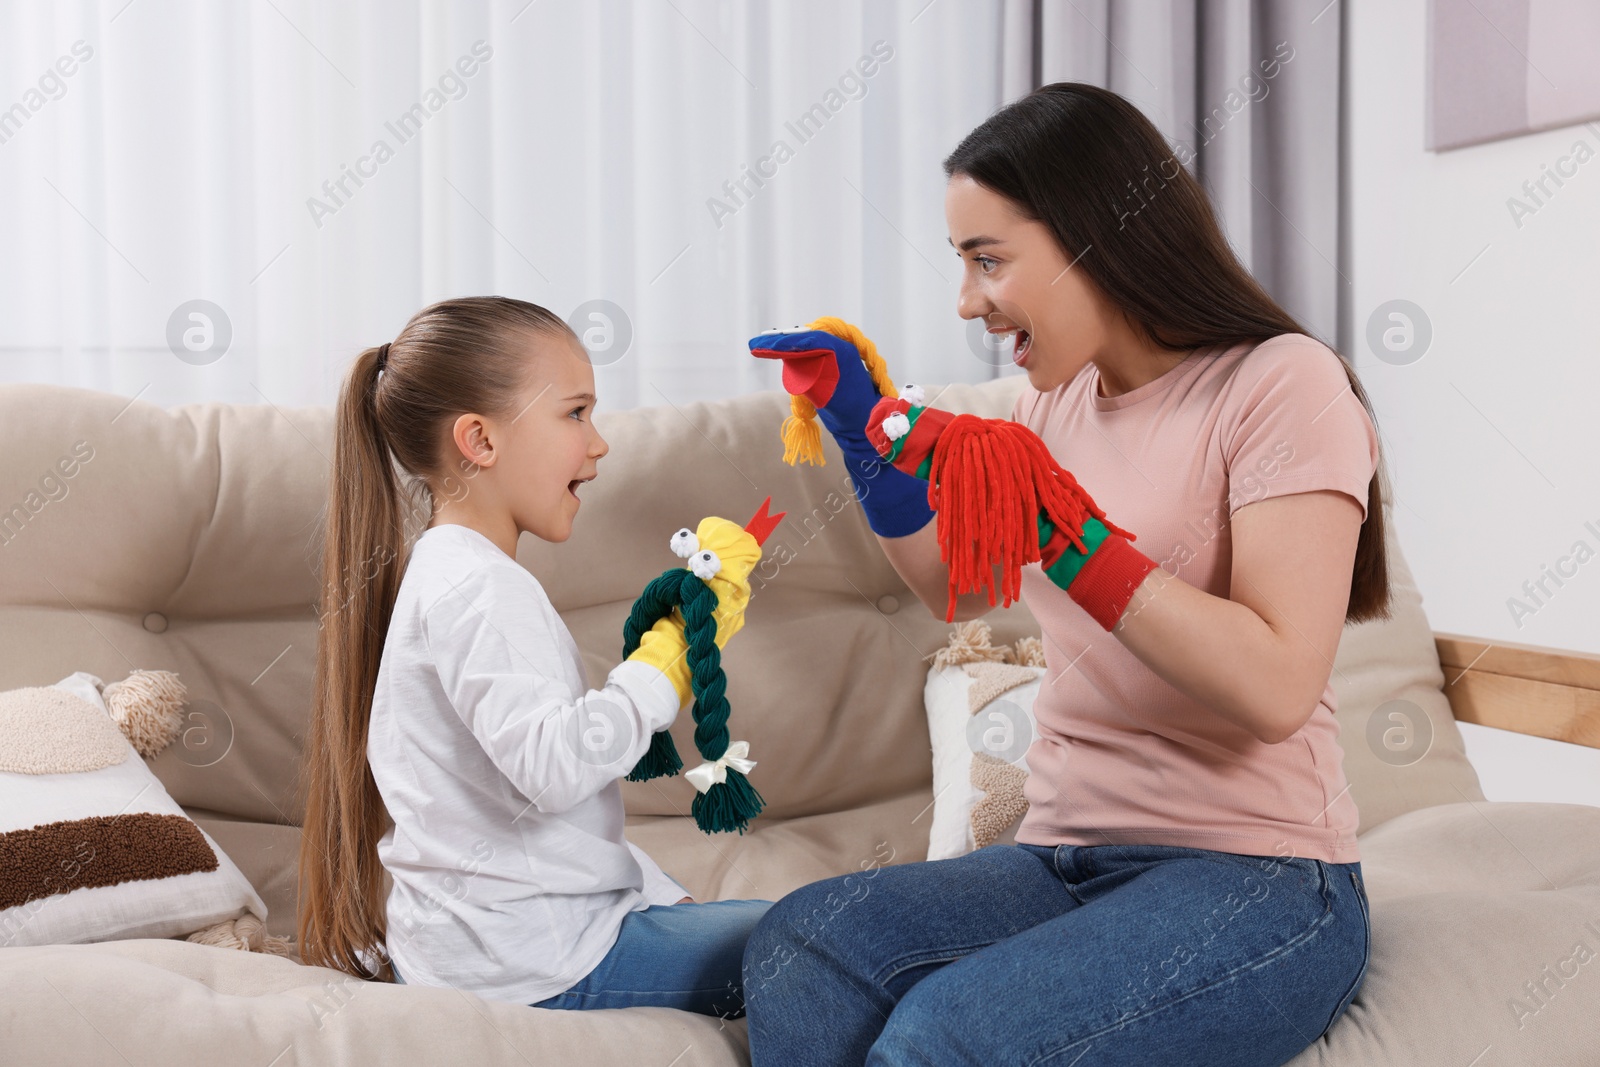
[
  {"x": 913, "y": 394},
  {"x": 706, "y": 564},
  {"x": 896, "y": 426},
  {"x": 684, "y": 543}
]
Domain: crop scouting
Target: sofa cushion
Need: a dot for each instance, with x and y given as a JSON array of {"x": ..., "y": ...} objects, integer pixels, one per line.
[
  {"x": 187, "y": 540},
  {"x": 778, "y": 856},
  {"x": 1470, "y": 904},
  {"x": 164, "y": 1001},
  {"x": 268, "y": 854},
  {"x": 1485, "y": 941},
  {"x": 1402, "y": 748}
]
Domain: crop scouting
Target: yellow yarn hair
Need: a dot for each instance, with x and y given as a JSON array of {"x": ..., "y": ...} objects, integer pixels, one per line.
[{"x": 802, "y": 437}]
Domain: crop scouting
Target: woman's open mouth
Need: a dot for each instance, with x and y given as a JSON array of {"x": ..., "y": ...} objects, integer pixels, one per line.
[
  {"x": 572, "y": 486},
  {"x": 1024, "y": 343},
  {"x": 1021, "y": 339}
]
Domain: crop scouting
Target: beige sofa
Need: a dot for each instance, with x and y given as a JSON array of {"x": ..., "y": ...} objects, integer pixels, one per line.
[{"x": 189, "y": 541}]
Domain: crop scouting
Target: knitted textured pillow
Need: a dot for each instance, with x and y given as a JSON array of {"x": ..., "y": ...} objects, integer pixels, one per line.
[
  {"x": 91, "y": 846},
  {"x": 979, "y": 699}
]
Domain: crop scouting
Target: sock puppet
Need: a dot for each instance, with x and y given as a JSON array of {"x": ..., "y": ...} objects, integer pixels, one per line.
[
  {"x": 1003, "y": 501},
  {"x": 709, "y": 594},
  {"x": 833, "y": 373},
  {"x": 1000, "y": 497}
]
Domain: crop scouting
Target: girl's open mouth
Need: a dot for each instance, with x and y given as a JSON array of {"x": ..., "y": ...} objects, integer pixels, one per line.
[{"x": 572, "y": 486}]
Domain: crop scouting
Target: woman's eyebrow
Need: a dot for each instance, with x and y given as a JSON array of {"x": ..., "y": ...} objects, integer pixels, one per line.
[
  {"x": 580, "y": 396},
  {"x": 975, "y": 242}
]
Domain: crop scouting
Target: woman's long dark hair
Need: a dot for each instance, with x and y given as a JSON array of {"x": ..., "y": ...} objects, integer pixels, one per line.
[{"x": 1088, "y": 165}]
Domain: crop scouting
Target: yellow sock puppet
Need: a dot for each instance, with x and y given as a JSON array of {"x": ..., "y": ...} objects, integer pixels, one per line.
[{"x": 708, "y": 594}]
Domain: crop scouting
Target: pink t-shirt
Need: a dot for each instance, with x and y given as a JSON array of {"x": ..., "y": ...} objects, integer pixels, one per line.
[{"x": 1123, "y": 757}]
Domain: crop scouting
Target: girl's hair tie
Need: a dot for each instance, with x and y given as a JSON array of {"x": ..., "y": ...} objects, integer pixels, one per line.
[{"x": 383, "y": 355}]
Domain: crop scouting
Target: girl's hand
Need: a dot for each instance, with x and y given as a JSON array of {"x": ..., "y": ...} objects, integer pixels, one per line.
[
  {"x": 663, "y": 647},
  {"x": 721, "y": 554}
]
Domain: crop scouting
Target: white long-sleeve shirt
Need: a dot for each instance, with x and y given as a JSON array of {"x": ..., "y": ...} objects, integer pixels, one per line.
[{"x": 500, "y": 769}]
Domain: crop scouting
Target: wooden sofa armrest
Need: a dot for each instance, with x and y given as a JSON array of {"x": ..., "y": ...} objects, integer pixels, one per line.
[{"x": 1542, "y": 692}]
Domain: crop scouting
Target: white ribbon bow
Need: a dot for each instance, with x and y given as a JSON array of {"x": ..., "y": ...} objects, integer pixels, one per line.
[{"x": 713, "y": 771}]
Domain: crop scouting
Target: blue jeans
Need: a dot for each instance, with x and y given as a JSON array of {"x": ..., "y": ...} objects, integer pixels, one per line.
[
  {"x": 684, "y": 956},
  {"x": 1059, "y": 955}
]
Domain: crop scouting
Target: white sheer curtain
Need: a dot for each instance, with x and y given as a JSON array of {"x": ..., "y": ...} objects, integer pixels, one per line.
[
  {"x": 558, "y": 151},
  {"x": 317, "y": 172}
]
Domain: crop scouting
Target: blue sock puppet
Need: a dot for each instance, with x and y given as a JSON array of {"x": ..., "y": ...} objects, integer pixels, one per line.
[{"x": 833, "y": 372}]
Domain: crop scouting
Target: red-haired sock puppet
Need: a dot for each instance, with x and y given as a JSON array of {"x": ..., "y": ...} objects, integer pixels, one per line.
[{"x": 1003, "y": 501}]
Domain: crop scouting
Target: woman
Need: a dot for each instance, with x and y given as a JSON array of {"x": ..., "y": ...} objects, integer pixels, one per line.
[{"x": 1185, "y": 887}]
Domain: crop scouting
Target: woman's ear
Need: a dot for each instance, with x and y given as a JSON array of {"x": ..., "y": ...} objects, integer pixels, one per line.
[{"x": 471, "y": 437}]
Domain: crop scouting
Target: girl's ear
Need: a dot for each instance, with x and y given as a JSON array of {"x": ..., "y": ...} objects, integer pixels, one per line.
[{"x": 470, "y": 436}]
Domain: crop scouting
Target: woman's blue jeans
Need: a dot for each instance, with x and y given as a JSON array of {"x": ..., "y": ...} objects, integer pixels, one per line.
[
  {"x": 684, "y": 956},
  {"x": 1069, "y": 956}
]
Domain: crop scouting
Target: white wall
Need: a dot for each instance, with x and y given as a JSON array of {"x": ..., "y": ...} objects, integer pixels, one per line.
[
  {"x": 1491, "y": 436},
  {"x": 1514, "y": 766}
]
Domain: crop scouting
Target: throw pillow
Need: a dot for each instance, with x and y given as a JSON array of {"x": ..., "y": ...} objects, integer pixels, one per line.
[
  {"x": 91, "y": 846},
  {"x": 979, "y": 700}
]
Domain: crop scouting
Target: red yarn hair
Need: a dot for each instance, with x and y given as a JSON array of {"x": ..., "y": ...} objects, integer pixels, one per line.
[{"x": 988, "y": 482}]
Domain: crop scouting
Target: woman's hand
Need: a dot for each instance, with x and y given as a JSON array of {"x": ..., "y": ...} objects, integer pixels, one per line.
[
  {"x": 832, "y": 370},
  {"x": 1003, "y": 500}
]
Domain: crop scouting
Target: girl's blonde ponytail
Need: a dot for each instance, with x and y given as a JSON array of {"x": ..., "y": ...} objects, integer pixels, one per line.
[{"x": 341, "y": 880}]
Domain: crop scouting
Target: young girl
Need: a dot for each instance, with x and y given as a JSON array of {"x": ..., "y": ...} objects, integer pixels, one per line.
[
  {"x": 450, "y": 698},
  {"x": 1185, "y": 887}
]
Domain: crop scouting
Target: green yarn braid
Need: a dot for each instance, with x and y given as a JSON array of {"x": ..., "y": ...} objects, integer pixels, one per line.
[
  {"x": 661, "y": 759},
  {"x": 730, "y": 804}
]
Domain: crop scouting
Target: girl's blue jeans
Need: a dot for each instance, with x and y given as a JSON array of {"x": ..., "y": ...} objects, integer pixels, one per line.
[
  {"x": 1067, "y": 956},
  {"x": 684, "y": 956}
]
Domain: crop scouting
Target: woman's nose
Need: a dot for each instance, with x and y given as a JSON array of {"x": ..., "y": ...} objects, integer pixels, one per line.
[{"x": 970, "y": 302}]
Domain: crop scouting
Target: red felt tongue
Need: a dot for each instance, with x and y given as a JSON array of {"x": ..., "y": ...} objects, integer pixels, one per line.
[{"x": 812, "y": 374}]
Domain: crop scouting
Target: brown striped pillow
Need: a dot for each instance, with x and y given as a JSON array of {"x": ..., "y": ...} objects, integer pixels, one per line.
[{"x": 91, "y": 846}]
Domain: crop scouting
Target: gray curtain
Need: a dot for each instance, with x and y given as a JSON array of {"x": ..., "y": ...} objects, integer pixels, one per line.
[{"x": 1249, "y": 88}]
